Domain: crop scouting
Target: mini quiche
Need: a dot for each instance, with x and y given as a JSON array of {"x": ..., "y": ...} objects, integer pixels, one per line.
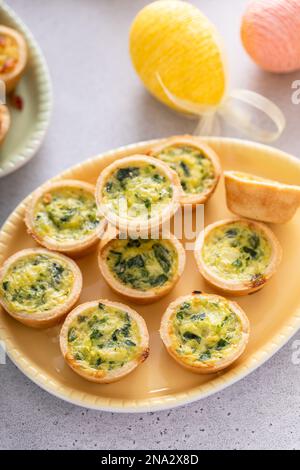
[
  {"x": 4, "y": 121},
  {"x": 13, "y": 57},
  {"x": 196, "y": 164},
  {"x": 103, "y": 341},
  {"x": 142, "y": 270},
  {"x": 237, "y": 255},
  {"x": 62, "y": 216},
  {"x": 138, "y": 193},
  {"x": 259, "y": 198},
  {"x": 204, "y": 332},
  {"x": 39, "y": 287}
]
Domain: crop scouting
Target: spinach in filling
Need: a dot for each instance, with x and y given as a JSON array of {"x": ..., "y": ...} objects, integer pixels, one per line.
[
  {"x": 103, "y": 338},
  {"x": 237, "y": 251},
  {"x": 37, "y": 283},
  {"x": 194, "y": 168},
  {"x": 205, "y": 330},
  {"x": 137, "y": 192},
  {"x": 142, "y": 264},
  {"x": 66, "y": 214}
]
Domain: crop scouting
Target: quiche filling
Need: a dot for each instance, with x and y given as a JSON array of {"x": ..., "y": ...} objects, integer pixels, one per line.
[
  {"x": 195, "y": 170},
  {"x": 142, "y": 264},
  {"x": 205, "y": 330},
  {"x": 9, "y": 53},
  {"x": 37, "y": 283},
  {"x": 66, "y": 214},
  {"x": 237, "y": 252},
  {"x": 104, "y": 338},
  {"x": 137, "y": 192}
]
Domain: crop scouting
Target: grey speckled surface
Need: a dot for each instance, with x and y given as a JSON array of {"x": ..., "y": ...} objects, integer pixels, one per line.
[{"x": 99, "y": 105}]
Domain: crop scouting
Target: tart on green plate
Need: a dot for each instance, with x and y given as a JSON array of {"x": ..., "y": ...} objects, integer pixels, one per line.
[{"x": 30, "y": 106}]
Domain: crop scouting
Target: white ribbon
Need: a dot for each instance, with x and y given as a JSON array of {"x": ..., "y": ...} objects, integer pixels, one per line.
[{"x": 237, "y": 117}]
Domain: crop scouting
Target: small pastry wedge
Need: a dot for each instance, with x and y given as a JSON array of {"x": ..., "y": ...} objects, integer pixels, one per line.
[
  {"x": 196, "y": 164},
  {"x": 259, "y": 198},
  {"x": 104, "y": 341},
  {"x": 237, "y": 256},
  {"x": 4, "y": 122},
  {"x": 39, "y": 287},
  {"x": 142, "y": 270},
  {"x": 13, "y": 57},
  {"x": 204, "y": 333},
  {"x": 138, "y": 193},
  {"x": 62, "y": 216}
]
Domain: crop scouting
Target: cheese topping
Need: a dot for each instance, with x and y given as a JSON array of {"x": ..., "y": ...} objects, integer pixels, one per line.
[
  {"x": 9, "y": 53},
  {"x": 237, "y": 251},
  {"x": 37, "y": 283},
  {"x": 104, "y": 338},
  {"x": 142, "y": 264},
  {"x": 137, "y": 192},
  {"x": 194, "y": 168},
  {"x": 66, "y": 214},
  {"x": 205, "y": 330}
]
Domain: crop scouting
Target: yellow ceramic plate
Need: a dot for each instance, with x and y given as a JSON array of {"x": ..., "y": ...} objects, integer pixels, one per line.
[
  {"x": 28, "y": 126},
  {"x": 161, "y": 383}
]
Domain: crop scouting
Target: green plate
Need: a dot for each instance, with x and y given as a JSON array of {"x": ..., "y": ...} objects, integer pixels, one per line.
[{"x": 28, "y": 126}]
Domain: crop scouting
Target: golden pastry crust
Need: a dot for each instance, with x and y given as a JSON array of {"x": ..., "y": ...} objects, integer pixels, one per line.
[
  {"x": 12, "y": 77},
  {"x": 236, "y": 286},
  {"x": 203, "y": 367},
  {"x": 46, "y": 318},
  {"x": 5, "y": 121},
  {"x": 72, "y": 247},
  {"x": 138, "y": 224},
  {"x": 259, "y": 198},
  {"x": 198, "y": 144},
  {"x": 101, "y": 376},
  {"x": 136, "y": 295}
]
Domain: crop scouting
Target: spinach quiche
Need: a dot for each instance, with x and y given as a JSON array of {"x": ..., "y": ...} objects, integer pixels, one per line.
[
  {"x": 62, "y": 216},
  {"x": 204, "y": 332},
  {"x": 196, "y": 164},
  {"x": 13, "y": 57},
  {"x": 142, "y": 270},
  {"x": 39, "y": 287},
  {"x": 237, "y": 255},
  {"x": 259, "y": 198},
  {"x": 103, "y": 341},
  {"x": 138, "y": 193},
  {"x": 4, "y": 121}
]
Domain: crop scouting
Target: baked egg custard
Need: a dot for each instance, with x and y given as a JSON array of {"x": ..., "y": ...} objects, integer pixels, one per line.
[
  {"x": 137, "y": 190},
  {"x": 63, "y": 216},
  {"x": 237, "y": 254},
  {"x": 142, "y": 269},
  {"x": 196, "y": 164},
  {"x": 38, "y": 286},
  {"x": 103, "y": 341},
  {"x": 204, "y": 332}
]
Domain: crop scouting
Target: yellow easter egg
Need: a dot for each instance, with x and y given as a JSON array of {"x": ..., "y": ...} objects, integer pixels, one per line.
[{"x": 174, "y": 40}]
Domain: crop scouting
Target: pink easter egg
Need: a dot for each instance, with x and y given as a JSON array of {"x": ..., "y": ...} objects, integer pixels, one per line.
[{"x": 270, "y": 33}]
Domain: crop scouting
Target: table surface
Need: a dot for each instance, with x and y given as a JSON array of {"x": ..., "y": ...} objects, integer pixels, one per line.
[{"x": 99, "y": 104}]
